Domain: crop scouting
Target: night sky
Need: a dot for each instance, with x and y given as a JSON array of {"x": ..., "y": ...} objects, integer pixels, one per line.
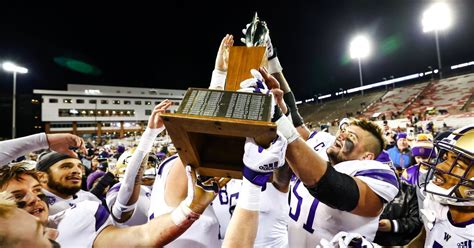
[{"x": 173, "y": 45}]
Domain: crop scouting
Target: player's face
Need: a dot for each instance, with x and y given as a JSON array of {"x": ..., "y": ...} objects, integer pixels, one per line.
[
  {"x": 65, "y": 176},
  {"x": 28, "y": 229},
  {"x": 349, "y": 145},
  {"x": 461, "y": 165},
  {"x": 27, "y": 193}
]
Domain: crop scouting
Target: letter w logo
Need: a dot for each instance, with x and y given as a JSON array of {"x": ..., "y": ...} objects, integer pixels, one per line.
[{"x": 446, "y": 236}]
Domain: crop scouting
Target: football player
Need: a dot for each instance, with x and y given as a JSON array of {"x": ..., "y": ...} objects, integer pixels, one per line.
[
  {"x": 273, "y": 218},
  {"x": 448, "y": 212},
  {"x": 129, "y": 200},
  {"x": 349, "y": 190},
  {"x": 259, "y": 164},
  {"x": 88, "y": 223}
]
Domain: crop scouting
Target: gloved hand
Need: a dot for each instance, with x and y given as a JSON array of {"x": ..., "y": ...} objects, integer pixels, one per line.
[
  {"x": 345, "y": 240},
  {"x": 201, "y": 194},
  {"x": 255, "y": 84},
  {"x": 258, "y": 84},
  {"x": 259, "y": 163}
]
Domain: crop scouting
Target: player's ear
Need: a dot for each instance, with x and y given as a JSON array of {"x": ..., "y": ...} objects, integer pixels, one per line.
[
  {"x": 43, "y": 177},
  {"x": 368, "y": 156}
]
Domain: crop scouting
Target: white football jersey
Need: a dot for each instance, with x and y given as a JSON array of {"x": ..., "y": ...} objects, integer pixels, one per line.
[
  {"x": 273, "y": 215},
  {"x": 320, "y": 141},
  {"x": 202, "y": 233},
  {"x": 79, "y": 225},
  {"x": 446, "y": 233},
  {"x": 140, "y": 214},
  {"x": 311, "y": 220},
  {"x": 58, "y": 204},
  {"x": 224, "y": 204},
  {"x": 441, "y": 231}
]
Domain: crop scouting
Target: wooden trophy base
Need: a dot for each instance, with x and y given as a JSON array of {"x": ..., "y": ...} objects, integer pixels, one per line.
[{"x": 211, "y": 142}]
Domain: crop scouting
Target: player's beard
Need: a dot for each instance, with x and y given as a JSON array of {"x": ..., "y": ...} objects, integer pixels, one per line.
[
  {"x": 335, "y": 155},
  {"x": 52, "y": 184}
]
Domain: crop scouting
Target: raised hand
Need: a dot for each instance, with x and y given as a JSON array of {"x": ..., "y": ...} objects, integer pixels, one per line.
[
  {"x": 155, "y": 120},
  {"x": 222, "y": 57},
  {"x": 201, "y": 194},
  {"x": 270, "y": 80},
  {"x": 64, "y": 142}
]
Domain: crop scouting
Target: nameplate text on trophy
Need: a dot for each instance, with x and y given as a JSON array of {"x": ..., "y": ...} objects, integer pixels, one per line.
[{"x": 227, "y": 104}]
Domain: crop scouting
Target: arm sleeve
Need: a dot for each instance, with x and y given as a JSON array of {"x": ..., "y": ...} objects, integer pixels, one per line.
[
  {"x": 12, "y": 149},
  {"x": 128, "y": 184},
  {"x": 218, "y": 79},
  {"x": 295, "y": 114},
  {"x": 337, "y": 190}
]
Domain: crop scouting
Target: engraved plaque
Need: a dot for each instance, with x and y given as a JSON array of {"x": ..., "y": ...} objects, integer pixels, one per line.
[
  {"x": 228, "y": 104},
  {"x": 210, "y": 126}
]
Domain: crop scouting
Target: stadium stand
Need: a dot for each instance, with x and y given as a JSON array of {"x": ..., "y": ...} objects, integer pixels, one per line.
[
  {"x": 451, "y": 95},
  {"x": 395, "y": 100},
  {"x": 436, "y": 101}
]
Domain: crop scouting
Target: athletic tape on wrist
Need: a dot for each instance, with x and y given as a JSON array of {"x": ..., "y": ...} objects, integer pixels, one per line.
[
  {"x": 249, "y": 196},
  {"x": 183, "y": 215},
  {"x": 286, "y": 128}
]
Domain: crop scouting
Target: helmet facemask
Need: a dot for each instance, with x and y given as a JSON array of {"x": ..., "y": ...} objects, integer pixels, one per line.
[{"x": 450, "y": 177}]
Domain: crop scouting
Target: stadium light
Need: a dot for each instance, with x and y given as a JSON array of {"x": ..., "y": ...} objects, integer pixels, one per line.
[
  {"x": 462, "y": 65},
  {"x": 324, "y": 96},
  {"x": 359, "y": 48},
  {"x": 10, "y": 67},
  {"x": 435, "y": 18}
]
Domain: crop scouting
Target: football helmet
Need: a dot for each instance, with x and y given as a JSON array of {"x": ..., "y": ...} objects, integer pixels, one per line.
[
  {"x": 450, "y": 177},
  {"x": 124, "y": 159}
]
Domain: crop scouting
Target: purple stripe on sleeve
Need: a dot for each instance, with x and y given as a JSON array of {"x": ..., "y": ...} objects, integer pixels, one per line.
[
  {"x": 312, "y": 134},
  {"x": 100, "y": 217},
  {"x": 379, "y": 174}
]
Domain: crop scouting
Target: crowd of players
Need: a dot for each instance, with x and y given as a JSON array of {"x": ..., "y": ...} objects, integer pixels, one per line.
[{"x": 342, "y": 190}]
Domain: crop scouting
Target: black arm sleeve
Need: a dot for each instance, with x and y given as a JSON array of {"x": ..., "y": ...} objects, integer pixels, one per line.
[
  {"x": 336, "y": 190},
  {"x": 106, "y": 180},
  {"x": 295, "y": 115}
]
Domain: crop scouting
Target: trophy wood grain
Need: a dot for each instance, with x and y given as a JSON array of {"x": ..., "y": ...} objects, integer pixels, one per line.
[
  {"x": 241, "y": 60},
  {"x": 215, "y": 145}
]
